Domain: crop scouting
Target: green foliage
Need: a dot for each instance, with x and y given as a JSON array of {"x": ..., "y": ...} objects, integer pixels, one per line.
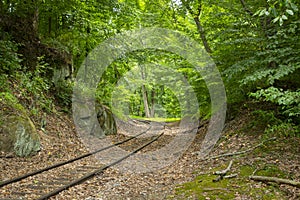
[
  {"x": 272, "y": 124},
  {"x": 10, "y": 100},
  {"x": 255, "y": 45},
  {"x": 156, "y": 119},
  {"x": 263, "y": 119},
  {"x": 63, "y": 93},
  {"x": 269, "y": 69},
  {"x": 33, "y": 88},
  {"x": 279, "y": 10},
  {"x": 4, "y": 83},
  {"x": 8, "y": 97},
  {"x": 162, "y": 74},
  {"x": 9, "y": 58},
  {"x": 288, "y": 100},
  {"x": 76, "y": 26},
  {"x": 284, "y": 129}
]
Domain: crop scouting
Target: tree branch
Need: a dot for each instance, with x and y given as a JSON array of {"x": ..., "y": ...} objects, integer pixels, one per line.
[
  {"x": 239, "y": 152},
  {"x": 246, "y": 8},
  {"x": 196, "y": 17},
  {"x": 187, "y": 6},
  {"x": 222, "y": 174},
  {"x": 276, "y": 180}
]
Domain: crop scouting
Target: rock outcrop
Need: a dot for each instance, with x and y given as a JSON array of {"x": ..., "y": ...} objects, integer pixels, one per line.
[
  {"x": 18, "y": 134},
  {"x": 96, "y": 120}
]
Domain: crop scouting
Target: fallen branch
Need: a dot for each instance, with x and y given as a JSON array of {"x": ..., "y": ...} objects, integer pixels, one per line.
[
  {"x": 231, "y": 176},
  {"x": 218, "y": 179},
  {"x": 239, "y": 152},
  {"x": 276, "y": 180},
  {"x": 222, "y": 174},
  {"x": 212, "y": 189}
]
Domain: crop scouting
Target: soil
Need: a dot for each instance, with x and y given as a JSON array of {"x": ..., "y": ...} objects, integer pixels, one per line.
[{"x": 61, "y": 142}]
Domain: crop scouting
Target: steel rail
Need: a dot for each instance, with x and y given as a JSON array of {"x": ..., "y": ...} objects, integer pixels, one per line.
[
  {"x": 95, "y": 172},
  {"x": 16, "y": 179}
]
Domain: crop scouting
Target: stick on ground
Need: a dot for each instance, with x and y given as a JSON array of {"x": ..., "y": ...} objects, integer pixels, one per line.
[
  {"x": 276, "y": 180},
  {"x": 239, "y": 152},
  {"x": 222, "y": 174}
]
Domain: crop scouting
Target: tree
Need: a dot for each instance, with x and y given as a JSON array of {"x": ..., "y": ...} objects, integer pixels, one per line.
[{"x": 197, "y": 17}]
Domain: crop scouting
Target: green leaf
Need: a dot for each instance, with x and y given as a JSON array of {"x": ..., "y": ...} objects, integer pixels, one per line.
[
  {"x": 284, "y": 17},
  {"x": 274, "y": 11},
  {"x": 280, "y": 21},
  {"x": 276, "y": 19},
  {"x": 257, "y": 12},
  {"x": 267, "y": 13},
  {"x": 294, "y": 7},
  {"x": 262, "y": 12},
  {"x": 290, "y": 12}
]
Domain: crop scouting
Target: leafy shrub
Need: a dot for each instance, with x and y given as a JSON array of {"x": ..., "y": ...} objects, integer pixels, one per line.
[
  {"x": 269, "y": 122},
  {"x": 34, "y": 88},
  {"x": 265, "y": 118},
  {"x": 9, "y": 58},
  {"x": 271, "y": 74},
  {"x": 288, "y": 100},
  {"x": 283, "y": 129},
  {"x": 63, "y": 93},
  {"x": 9, "y": 104},
  {"x": 4, "y": 83}
]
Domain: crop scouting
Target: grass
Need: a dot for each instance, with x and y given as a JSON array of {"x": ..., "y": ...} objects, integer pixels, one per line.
[{"x": 156, "y": 119}]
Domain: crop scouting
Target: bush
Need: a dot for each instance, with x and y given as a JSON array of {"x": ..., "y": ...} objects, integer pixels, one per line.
[
  {"x": 289, "y": 101},
  {"x": 34, "y": 88},
  {"x": 63, "y": 93},
  {"x": 9, "y": 58},
  {"x": 283, "y": 129}
]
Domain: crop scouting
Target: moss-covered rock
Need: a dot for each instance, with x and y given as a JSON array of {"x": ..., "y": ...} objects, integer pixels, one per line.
[{"x": 17, "y": 132}]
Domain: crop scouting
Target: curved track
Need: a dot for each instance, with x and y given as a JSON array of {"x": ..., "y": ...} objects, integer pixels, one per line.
[{"x": 62, "y": 180}]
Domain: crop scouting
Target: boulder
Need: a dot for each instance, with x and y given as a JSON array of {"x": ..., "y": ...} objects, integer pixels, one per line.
[
  {"x": 96, "y": 120},
  {"x": 106, "y": 119},
  {"x": 18, "y": 134},
  {"x": 85, "y": 119}
]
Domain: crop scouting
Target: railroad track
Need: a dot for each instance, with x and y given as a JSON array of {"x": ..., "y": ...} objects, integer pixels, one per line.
[{"x": 67, "y": 174}]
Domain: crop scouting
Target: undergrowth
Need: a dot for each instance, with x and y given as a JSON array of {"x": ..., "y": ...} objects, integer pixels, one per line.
[{"x": 271, "y": 123}]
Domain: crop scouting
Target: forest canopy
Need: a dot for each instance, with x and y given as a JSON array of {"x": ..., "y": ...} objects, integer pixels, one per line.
[{"x": 254, "y": 44}]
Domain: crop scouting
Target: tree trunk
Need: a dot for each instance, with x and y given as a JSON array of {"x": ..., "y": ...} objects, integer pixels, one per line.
[
  {"x": 145, "y": 95},
  {"x": 152, "y": 113},
  {"x": 196, "y": 16},
  {"x": 35, "y": 20},
  {"x": 88, "y": 30},
  {"x": 145, "y": 99},
  {"x": 202, "y": 34}
]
